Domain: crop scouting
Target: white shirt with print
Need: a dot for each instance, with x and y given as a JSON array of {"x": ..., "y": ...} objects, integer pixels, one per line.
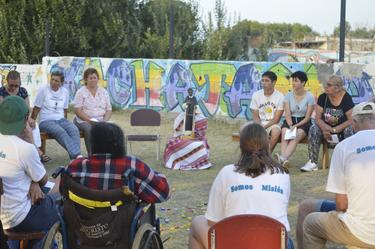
[
  {"x": 352, "y": 172},
  {"x": 52, "y": 103},
  {"x": 267, "y": 105},
  {"x": 233, "y": 193},
  {"x": 19, "y": 165},
  {"x": 93, "y": 106}
]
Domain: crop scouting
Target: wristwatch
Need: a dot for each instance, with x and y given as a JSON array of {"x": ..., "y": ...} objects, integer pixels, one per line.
[{"x": 334, "y": 130}]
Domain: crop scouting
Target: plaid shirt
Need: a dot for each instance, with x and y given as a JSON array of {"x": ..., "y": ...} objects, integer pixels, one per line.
[{"x": 102, "y": 172}]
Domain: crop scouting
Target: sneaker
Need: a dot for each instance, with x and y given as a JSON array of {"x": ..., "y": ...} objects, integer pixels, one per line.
[
  {"x": 309, "y": 166},
  {"x": 279, "y": 158},
  {"x": 286, "y": 164}
]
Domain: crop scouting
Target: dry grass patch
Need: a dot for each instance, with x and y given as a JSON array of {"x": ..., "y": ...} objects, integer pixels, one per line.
[{"x": 190, "y": 188}]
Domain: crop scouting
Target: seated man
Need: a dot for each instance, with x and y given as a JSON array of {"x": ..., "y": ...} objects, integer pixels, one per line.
[
  {"x": 24, "y": 207},
  {"x": 351, "y": 178},
  {"x": 108, "y": 155},
  {"x": 267, "y": 107}
]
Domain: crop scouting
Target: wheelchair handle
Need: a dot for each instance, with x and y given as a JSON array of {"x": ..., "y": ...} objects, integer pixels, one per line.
[{"x": 58, "y": 171}]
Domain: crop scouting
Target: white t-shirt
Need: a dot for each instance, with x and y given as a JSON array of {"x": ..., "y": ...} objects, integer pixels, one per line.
[
  {"x": 51, "y": 103},
  {"x": 352, "y": 172},
  {"x": 267, "y": 105},
  {"x": 19, "y": 164},
  {"x": 233, "y": 193}
]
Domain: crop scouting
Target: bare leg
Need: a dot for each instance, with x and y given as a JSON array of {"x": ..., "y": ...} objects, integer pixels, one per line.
[
  {"x": 275, "y": 134},
  {"x": 198, "y": 237},
  {"x": 292, "y": 145},
  {"x": 284, "y": 143},
  {"x": 305, "y": 207}
]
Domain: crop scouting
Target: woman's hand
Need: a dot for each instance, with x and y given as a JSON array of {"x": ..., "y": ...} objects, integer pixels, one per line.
[{"x": 327, "y": 135}]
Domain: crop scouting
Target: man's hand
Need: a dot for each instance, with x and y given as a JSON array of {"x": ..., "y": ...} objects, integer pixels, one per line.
[
  {"x": 35, "y": 193},
  {"x": 31, "y": 122}
]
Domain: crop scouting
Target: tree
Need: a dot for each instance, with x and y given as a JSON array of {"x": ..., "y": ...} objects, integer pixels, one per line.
[{"x": 155, "y": 17}]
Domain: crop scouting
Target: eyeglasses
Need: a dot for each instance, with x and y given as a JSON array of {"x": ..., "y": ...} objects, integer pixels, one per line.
[
  {"x": 330, "y": 85},
  {"x": 13, "y": 85}
]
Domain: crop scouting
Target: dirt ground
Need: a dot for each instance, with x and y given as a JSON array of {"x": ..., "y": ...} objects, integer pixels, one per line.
[{"x": 190, "y": 188}]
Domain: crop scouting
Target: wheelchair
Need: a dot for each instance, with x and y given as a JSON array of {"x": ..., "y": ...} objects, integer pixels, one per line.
[{"x": 105, "y": 219}]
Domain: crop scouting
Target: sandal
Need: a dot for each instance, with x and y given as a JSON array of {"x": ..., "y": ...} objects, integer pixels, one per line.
[{"x": 45, "y": 158}]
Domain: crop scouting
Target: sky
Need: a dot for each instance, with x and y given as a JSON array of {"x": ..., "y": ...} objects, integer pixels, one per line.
[{"x": 321, "y": 15}]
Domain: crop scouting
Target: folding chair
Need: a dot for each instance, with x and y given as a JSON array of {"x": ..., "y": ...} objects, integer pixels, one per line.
[
  {"x": 23, "y": 238},
  {"x": 144, "y": 117},
  {"x": 247, "y": 231}
]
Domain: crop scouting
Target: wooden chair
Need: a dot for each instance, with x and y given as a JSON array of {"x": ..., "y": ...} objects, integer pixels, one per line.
[
  {"x": 144, "y": 118},
  {"x": 23, "y": 238},
  {"x": 247, "y": 231}
]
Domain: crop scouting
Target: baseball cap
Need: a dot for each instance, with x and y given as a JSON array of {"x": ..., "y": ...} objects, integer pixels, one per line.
[
  {"x": 364, "y": 108},
  {"x": 13, "y": 112}
]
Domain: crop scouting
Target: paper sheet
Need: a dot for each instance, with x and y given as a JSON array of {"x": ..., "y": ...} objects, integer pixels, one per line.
[
  {"x": 334, "y": 139},
  {"x": 290, "y": 134}
]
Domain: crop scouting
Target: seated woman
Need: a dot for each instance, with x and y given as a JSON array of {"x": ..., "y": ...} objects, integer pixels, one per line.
[
  {"x": 109, "y": 156},
  {"x": 91, "y": 104},
  {"x": 14, "y": 88},
  {"x": 52, "y": 104},
  {"x": 256, "y": 168},
  {"x": 298, "y": 107},
  {"x": 188, "y": 153},
  {"x": 333, "y": 119}
]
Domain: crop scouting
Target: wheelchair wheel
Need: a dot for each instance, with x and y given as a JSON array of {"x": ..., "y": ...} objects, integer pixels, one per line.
[
  {"x": 147, "y": 238},
  {"x": 53, "y": 239}
]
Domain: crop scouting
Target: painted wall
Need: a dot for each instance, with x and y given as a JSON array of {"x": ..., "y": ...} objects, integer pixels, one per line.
[{"x": 222, "y": 88}]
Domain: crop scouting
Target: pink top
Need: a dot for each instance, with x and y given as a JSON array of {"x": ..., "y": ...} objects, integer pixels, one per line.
[{"x": 93, "y": 106}]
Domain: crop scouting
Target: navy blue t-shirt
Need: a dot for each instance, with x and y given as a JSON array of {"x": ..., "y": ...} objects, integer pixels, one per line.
[{"x": 22, "y": 92}]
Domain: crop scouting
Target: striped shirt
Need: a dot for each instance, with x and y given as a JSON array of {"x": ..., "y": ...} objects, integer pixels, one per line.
[{"x": 102, "y": 172}]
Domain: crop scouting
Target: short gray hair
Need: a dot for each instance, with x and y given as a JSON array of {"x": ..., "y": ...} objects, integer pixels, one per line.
[{"x": 362, "y": 118}]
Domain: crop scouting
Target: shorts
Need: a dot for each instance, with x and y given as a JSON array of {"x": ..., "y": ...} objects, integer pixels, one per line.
[
  {"x": 326, "y": 206},
  {"x": 295, "y": 120},
  {"x": 269, "y": 129}
]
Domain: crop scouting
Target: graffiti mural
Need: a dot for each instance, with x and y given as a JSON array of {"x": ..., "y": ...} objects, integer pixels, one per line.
[
  {"x": 32, "y": 76},
  {"x": 221, "y": 88}
]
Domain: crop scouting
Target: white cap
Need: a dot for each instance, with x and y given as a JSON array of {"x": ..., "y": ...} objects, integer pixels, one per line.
[{"x": 364, "y": 108}]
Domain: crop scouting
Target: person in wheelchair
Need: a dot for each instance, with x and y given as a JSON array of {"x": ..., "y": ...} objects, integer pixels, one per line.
[
  {"x": 257, "y": 184},
  {"x": 107, "y": 165},
  {"x": 121, "y": 181}
]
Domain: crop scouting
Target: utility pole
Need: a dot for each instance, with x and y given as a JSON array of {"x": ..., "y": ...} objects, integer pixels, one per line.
[
  {"x": 342, "y": 31},
  {"x": 47, "y": 35},
  {"x": 171, "y": 30}
]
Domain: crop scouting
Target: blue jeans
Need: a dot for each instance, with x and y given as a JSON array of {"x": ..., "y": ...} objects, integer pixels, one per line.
[
  {"x": 65, "y": 133},
  {"x": 327, "y": 205},
  {"x": 41, "y": 217},
  {"x": 290, "y": 243}
]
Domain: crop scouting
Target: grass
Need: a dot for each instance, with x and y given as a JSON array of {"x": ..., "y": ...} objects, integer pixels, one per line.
[{"x": 190, "y": 188}]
